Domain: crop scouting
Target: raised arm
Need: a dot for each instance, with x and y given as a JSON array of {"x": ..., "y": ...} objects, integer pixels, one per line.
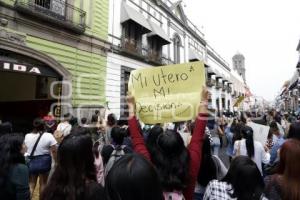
[
  {"x": 137, "y": 139},
  {"x": 195, "y": 146}
]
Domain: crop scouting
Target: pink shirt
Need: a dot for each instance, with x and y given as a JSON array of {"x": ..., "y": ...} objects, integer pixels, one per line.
[{"x": 99, "y": 170}]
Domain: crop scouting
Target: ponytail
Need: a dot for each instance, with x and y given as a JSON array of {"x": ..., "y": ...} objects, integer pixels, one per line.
[{"x": 248, "y": 135}]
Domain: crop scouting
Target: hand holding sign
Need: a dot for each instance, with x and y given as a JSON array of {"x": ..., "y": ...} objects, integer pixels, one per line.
[
  {"x": 205, "y": 96},
  {"x": 168, "y": 93},
  {"x": 131, "y": 104}
]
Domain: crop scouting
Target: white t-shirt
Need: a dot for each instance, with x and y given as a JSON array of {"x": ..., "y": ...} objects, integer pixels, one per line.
[
  {"x": 260, "y": 156},
  {"x": 64, "y": 127},
  {"x": 47, "y": 140}
]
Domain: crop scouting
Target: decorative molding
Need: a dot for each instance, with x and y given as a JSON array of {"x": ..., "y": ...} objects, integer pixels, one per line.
[{"x": 13, "y": 37}]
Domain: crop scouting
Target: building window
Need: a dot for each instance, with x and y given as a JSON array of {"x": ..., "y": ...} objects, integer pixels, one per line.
[
  {"x": 228, "y": 105},
  {"x": 218, "y": 105},
  {"x": 125, "y": 74},
  {"x": 56, "y": 6},
  {"x": 177, "y": 45},
  {"x": 223, "y": 104},
  {"x": 155, "y": 49},
  {"x": 132, "y": 37},
  {"x": 43, "y": 3}
]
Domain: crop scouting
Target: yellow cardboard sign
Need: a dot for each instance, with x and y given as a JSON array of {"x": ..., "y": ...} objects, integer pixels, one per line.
[
  {"x": 168, "y": 93},
  {"x": 239, "y": 101}
]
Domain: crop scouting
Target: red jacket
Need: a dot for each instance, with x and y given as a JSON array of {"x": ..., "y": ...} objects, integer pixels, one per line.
[{"x": 194, "y": 148}]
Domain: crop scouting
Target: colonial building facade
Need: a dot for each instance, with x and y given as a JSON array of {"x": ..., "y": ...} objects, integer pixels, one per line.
[
  {"x": 52, "y": 57},
  {"x": 76, "y": 55},
  {"x": 289, "y": 97},
  {"x": 147, "y": 33}
]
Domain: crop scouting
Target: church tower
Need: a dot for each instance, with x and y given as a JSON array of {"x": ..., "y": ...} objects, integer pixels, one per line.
[{"x": 238, "y": 63}]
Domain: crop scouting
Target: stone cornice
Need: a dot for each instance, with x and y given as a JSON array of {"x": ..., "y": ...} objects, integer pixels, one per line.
[{"x": 218, "y": 59}]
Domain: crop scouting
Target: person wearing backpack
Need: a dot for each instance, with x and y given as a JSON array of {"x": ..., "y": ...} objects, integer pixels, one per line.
[
  {"x": 113, "y": 152},
  {"x": 177, "y": 165}
]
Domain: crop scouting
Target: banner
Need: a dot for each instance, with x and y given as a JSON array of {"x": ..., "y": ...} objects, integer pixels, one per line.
[
  {"x": 239, "y": 101},
  {"x": 168, "y": 93},
  {"x": 260, "y": 132}
]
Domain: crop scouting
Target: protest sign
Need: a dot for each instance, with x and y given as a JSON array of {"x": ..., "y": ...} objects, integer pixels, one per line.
[
  {"x": 260, "y": 132},
  {"x": 239, "y": 101},
  {"x": 168, "y": 93}
]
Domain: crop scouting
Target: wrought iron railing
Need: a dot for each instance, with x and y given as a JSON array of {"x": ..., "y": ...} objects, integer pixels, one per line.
[
  {"x": 224, "y": 88},
  {"x": 154, "y": 56},
  {"x": 210, "y": 82},
  {"x": 218, "y": 85},
  {"x": 56, "y": 11},
  {"x": 166, "y": 61},
  {"x": 133, "y": 47},
  {"x": 229, "y": 89}
]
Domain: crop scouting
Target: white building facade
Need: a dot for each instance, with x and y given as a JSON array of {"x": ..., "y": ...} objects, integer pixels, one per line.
[{"x": 148, "y": 33}]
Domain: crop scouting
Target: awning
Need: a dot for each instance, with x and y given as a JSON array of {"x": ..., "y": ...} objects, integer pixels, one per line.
[
  {"x": 128, "y": 13},
  {"x": 294, "y": 81},
  {"x": 293, "y": 85},
  {"x": 218, "y": 75},
  {"x": 159, "y": 32},
  {"x": 193, "y": 55},
  {"x": 210, "y": 71}
]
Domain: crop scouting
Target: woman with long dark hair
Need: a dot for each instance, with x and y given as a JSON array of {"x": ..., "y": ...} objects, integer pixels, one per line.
[
  {"x": 177, "y": 165},
  {"x": 14, "y": 175},
  {"x": 133, "y": 177},
  {"x": 211, "y": 168},
  {"x": 243, "y": 181},
  {"x": 285, "y": 184},
  {"x": 253, "y": 149},
  {"x": 151, "y": 141},
  {"x": 74, "y": 177}
]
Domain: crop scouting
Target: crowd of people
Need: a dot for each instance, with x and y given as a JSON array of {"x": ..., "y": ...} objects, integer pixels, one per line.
[{"x": 110, "y": 159}]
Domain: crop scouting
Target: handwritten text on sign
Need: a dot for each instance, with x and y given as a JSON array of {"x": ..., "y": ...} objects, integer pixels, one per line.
[{"x": 169, "y": 93}]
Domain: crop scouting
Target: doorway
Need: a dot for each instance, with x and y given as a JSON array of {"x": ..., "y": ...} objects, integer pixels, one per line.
[{"x": 25, "y": 97}]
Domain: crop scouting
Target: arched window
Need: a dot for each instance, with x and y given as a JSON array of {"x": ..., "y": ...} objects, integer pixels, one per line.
[{"x": 177, "y": 45}]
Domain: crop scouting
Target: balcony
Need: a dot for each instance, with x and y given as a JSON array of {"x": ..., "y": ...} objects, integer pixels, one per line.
[
  {"x": 132, "y": 47},
  {"x": 166, "y": 61},
  {"x": 54, "y": 11},
  {"x": 224, "y": 88},
  {"x": 210, "y": 82},
  {"x": 218, "y": 85},
  {"x": 229, "y": 90},
  {"x": 154, "y": 57},
  {"x": 234, "y": 94}
]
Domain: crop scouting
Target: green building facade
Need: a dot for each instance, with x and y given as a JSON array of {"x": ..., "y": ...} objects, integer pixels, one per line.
[{"x": 52, "y": 57}]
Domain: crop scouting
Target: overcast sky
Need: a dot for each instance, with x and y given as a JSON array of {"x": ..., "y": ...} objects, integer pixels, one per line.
[{"x": 266, "y": 32}]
